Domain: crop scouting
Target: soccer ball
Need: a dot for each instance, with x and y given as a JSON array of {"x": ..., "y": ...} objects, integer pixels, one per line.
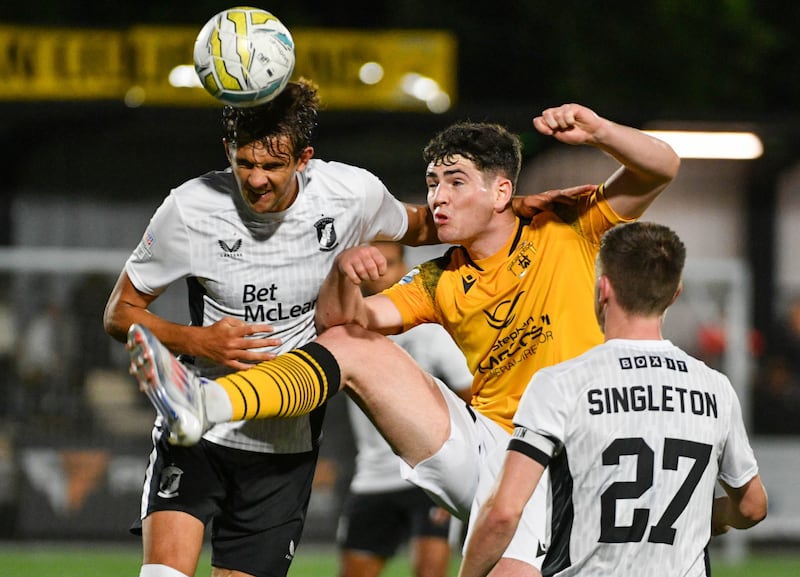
[{"x": 244, "y": 56}]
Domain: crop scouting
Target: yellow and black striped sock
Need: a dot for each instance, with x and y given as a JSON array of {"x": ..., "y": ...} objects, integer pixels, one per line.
[{"x": 293, "y": 384}]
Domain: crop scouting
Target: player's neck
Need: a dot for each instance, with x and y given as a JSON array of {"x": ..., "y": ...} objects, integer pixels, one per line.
[
  {"x": 620, "y": 325},
  {"x": 493, "y": 238}
]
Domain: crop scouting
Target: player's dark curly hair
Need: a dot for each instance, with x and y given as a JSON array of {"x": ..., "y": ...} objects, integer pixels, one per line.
[
  {"x": 490, "y": 147},
  {"x": 292, "y": 114}
]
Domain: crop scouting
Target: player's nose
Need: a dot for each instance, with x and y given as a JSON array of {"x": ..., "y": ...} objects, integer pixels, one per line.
[{"x": 258, "y": 178}]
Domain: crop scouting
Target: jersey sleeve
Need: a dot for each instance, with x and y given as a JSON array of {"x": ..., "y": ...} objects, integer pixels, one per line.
[
  {"x": 541, "y": 420},
  {"x": 384, "y": 215},
  {"x": 413, "y": 296},
  {"x": 164, "y": 254},
  {"x": 737, "y": 463},
  {"x": 592, "y": 215}
]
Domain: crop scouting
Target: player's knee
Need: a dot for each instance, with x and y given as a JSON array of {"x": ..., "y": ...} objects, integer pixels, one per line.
[{"x": 356, "y": 350}]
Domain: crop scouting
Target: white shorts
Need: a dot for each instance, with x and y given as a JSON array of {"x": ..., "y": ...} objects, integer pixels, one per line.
[
  {"x": 532, "y": 537},
  {"x": 461, "y": 475}
]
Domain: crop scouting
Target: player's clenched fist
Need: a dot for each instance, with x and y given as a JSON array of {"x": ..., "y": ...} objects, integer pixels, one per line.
[
  {"x": 570, "y": 123},
  {"x": 361, "y": 263}
]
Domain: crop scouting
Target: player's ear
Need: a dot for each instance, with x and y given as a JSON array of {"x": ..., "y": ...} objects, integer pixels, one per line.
[
  {"x": 228, "y": 151},
  {"x": 601, "y": 300},
  {"x": 504, "y": 191},
  {"x": 604, "y": 289},
  {"x": 305, "y": 156},
  {"x": 678, "y": 292}
]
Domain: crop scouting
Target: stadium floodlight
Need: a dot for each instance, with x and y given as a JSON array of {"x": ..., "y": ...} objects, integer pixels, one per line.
[{"x": 712, "y": 145}]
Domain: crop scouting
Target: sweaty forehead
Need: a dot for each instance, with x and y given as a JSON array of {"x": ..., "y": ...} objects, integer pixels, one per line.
[{"x": 275, "y": 147}]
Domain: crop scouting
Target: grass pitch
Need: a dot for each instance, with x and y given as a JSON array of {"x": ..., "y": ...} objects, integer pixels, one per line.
[{"x": 87, "y": 560}]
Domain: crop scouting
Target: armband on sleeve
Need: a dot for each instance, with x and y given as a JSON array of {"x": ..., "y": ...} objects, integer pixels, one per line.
[{"x": 533, "y": 445}]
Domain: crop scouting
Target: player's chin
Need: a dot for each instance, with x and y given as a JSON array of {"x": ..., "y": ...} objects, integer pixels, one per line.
[
  {"x": 446, "y": 233},
  {"x": 261, "y": 202}
]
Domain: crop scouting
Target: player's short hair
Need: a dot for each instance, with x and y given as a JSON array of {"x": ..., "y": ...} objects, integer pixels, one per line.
[
  {"x": 290, "y": 118},
  {"x": 644, "y": 263},
  {"x": 491, "y": 148}
]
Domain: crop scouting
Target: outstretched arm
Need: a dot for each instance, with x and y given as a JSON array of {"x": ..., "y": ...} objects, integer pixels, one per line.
[
  {"x": 648, "y": 164},
  {"x": 529, "y": 205}
]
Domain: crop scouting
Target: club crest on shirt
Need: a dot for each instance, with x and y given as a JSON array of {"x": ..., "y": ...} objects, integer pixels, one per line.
[
  {"x": 326, "y": 234},
  {"x": 522, "y": 259}
]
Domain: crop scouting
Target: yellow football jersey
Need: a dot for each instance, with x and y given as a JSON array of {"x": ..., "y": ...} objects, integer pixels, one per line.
[{"x": 528, "y": 306}]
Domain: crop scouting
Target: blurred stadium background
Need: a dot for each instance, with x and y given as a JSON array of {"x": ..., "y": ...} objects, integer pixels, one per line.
[{"x": 95, "y": 136}]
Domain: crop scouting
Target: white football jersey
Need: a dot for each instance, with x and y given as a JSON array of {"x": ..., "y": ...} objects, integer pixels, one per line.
[
  {"x": 265, "y": 268},
  {"x": 639, "y": 432},
  {"x": 377, "y": 467}
]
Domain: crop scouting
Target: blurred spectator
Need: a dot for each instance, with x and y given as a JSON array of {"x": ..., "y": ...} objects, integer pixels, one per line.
[
  {"x": 7, "y": 342},
  {"x": 88, "y": 300},
  {"x": 45, "y": 366},
  {"x": 776, "y": 398},
  {"x": 785, "y": 342}
]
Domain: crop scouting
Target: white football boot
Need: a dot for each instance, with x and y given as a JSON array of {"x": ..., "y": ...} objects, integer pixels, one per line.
[{"x": 175, "y": 391}]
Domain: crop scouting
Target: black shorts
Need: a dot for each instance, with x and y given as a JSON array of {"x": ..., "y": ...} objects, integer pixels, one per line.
[
  {"x": 256, "y": 502},
  {"x": 379, "y": 523}
]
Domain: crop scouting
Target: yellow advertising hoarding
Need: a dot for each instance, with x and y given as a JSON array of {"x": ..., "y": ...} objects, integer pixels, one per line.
[{"x": 136, "y": 65}]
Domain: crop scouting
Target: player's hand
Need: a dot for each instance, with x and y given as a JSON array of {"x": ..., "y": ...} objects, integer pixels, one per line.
[
  {"x": 232, "y": 342},
  {"x": 571, "y": 124},
  {"x": 528, "y": 206},
  {"x": 719, "y": 525},
  {"x": 361, "y": 263},
  {"x": 717, "y": 530}
]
